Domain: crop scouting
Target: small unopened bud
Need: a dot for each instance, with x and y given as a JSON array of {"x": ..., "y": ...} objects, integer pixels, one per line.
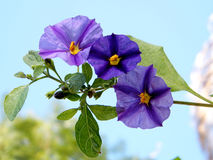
[
  {"x": 50, "y": 64},
  {"x": 59, "y": 95},
  {"x": 83, "y": 87},
  {"x": 50, "y": 94},
  {"x": 29, "y": 76},
  {"x": 91, "y": 93},
  {"x": 64, "y": 88}
]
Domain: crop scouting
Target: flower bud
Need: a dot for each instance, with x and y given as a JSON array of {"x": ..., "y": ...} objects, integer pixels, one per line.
[
  {"x": 91, "y": 93},
  {"x": 50, "y": 64},
  {"x": 50, "y": 94},
  {"x": 29, "y": 76},
  {"x": 59, "y": 95}
]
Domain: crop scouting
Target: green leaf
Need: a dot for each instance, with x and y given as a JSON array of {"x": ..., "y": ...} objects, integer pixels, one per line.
[
  {"x": 103, "y": 112},
  {"x": 20, "y": 75},
  {"x": 38, "y": 70},
  {"x": 68, "y": 76},
  {"x": 73, "y": 97},
  {"x": 177, "y": 158},
  {"x": 14, "y": 101},
  {"x": 76, "y": 81},
  {"x": 87, "y": 71},
  {"x": 33, "y": 59},
  {"x": 152, "y": 54},
  {"x": 99, "y": 82},
  {"x": 98, "y": 94},
  {"x": 68, "y": 114},
  {"x": 87, "y": 134}
]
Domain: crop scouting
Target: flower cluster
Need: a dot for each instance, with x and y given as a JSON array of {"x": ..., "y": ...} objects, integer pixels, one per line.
[{"x": 143, "y": 99}]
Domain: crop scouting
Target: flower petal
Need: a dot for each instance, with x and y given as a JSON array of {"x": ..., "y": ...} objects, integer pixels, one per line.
[
  {"x": 126, "y": 47},
  {"x": 90, "y": 35},
  {"x": 110, "y": 72},
  {"x": 56, "y": 40},
  {"x": 130, "y": 116},
  {"x": 163, "y": 99}
]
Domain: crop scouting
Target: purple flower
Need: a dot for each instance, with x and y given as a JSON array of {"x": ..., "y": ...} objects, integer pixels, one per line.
[
  {"x": 114, "y": 55},
  {"x": 70, "y": 39},
  {"x": 143, "y": 99}
]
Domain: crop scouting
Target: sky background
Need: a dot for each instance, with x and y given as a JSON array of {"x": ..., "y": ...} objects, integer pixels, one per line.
[{"x": 179, "y": 26}]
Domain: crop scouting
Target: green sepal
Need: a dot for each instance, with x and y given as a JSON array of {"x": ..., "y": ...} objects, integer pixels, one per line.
[
  {"x": 68, "y": 114},
  {"x": 87, "y": 134},
  {"x": 103, "y": 112},
  {"x": 20, "y": 75},
  {"x": 14, "y": 101},
  {"x": 87, "y": 71}
]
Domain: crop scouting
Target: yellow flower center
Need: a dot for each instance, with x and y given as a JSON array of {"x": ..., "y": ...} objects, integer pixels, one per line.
[
  {"x": 114, "y": 60},
  {"x": 73, "y": 48},
  {"x": 145, "y": 98}
]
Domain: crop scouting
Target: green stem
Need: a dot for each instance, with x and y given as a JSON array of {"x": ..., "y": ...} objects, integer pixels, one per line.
[
  {"x": 199, "y": 96},
  {"x": 37, "y": 79},
  {"x": 78, "y": 69},
  {"x": 53, "y": 78},
  {"x": 58, "y": 75},
  {"x": 193, "y": 104}
]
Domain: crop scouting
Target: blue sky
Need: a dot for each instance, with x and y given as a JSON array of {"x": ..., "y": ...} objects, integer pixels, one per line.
[{"x": 179, "y": 26}]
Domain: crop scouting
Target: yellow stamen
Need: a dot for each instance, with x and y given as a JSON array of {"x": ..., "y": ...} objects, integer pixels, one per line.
[
  {"x": 73, "y": 48},
  {"x": 145, "y": 98},
  {"x": 114, "y": 60}
]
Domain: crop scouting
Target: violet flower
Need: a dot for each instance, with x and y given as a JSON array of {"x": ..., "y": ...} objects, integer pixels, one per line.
[
  {"x": 114, "y": 55},
  {"x": 143, "y": 99},
  {"x": 70, "y": 39}
]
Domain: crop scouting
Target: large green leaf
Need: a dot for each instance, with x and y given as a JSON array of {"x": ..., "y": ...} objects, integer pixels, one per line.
[
  {"x": 76, "y": 81},
  {"x": 68, "y": 114},
  {"x": 33, "y": 59},
  {"x": 87, "y": 71},
  {"x": 14, "y": 101},
  {"x": 152, "y": 54},
  {"x": 103, "y": 112},
  {"x": 87, "y": 134}
]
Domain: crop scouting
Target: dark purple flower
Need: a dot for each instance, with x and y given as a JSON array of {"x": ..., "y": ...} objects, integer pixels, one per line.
[
  {"x": 70, "y": 39},
  {"x": 143, "y": 99},
  {"x": 114, "y": 55}
]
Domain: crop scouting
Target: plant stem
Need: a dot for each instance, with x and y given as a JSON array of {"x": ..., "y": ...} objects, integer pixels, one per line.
[
  {"x": 58, "y": 75},
  {"x": 53, "y": 78},
  {"x": 199, "y": 96},
  {"x": 78, "y": 69},
  {"x": 193, "y": 104},
  {"x": 37, "y": 79}
]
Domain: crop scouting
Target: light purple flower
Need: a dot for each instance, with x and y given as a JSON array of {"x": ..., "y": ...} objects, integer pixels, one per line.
[
  {"x": 143, "y": 99},
  {"x": 114, "y": 55},
  {"x": 70, "y": 39}
]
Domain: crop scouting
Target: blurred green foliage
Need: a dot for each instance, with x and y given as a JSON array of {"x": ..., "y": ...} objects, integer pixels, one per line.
[{"x": 33, "y": 139}]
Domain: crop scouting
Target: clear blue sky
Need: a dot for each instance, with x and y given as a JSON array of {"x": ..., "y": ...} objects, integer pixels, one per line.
[{"x": 179, "y": 26}]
